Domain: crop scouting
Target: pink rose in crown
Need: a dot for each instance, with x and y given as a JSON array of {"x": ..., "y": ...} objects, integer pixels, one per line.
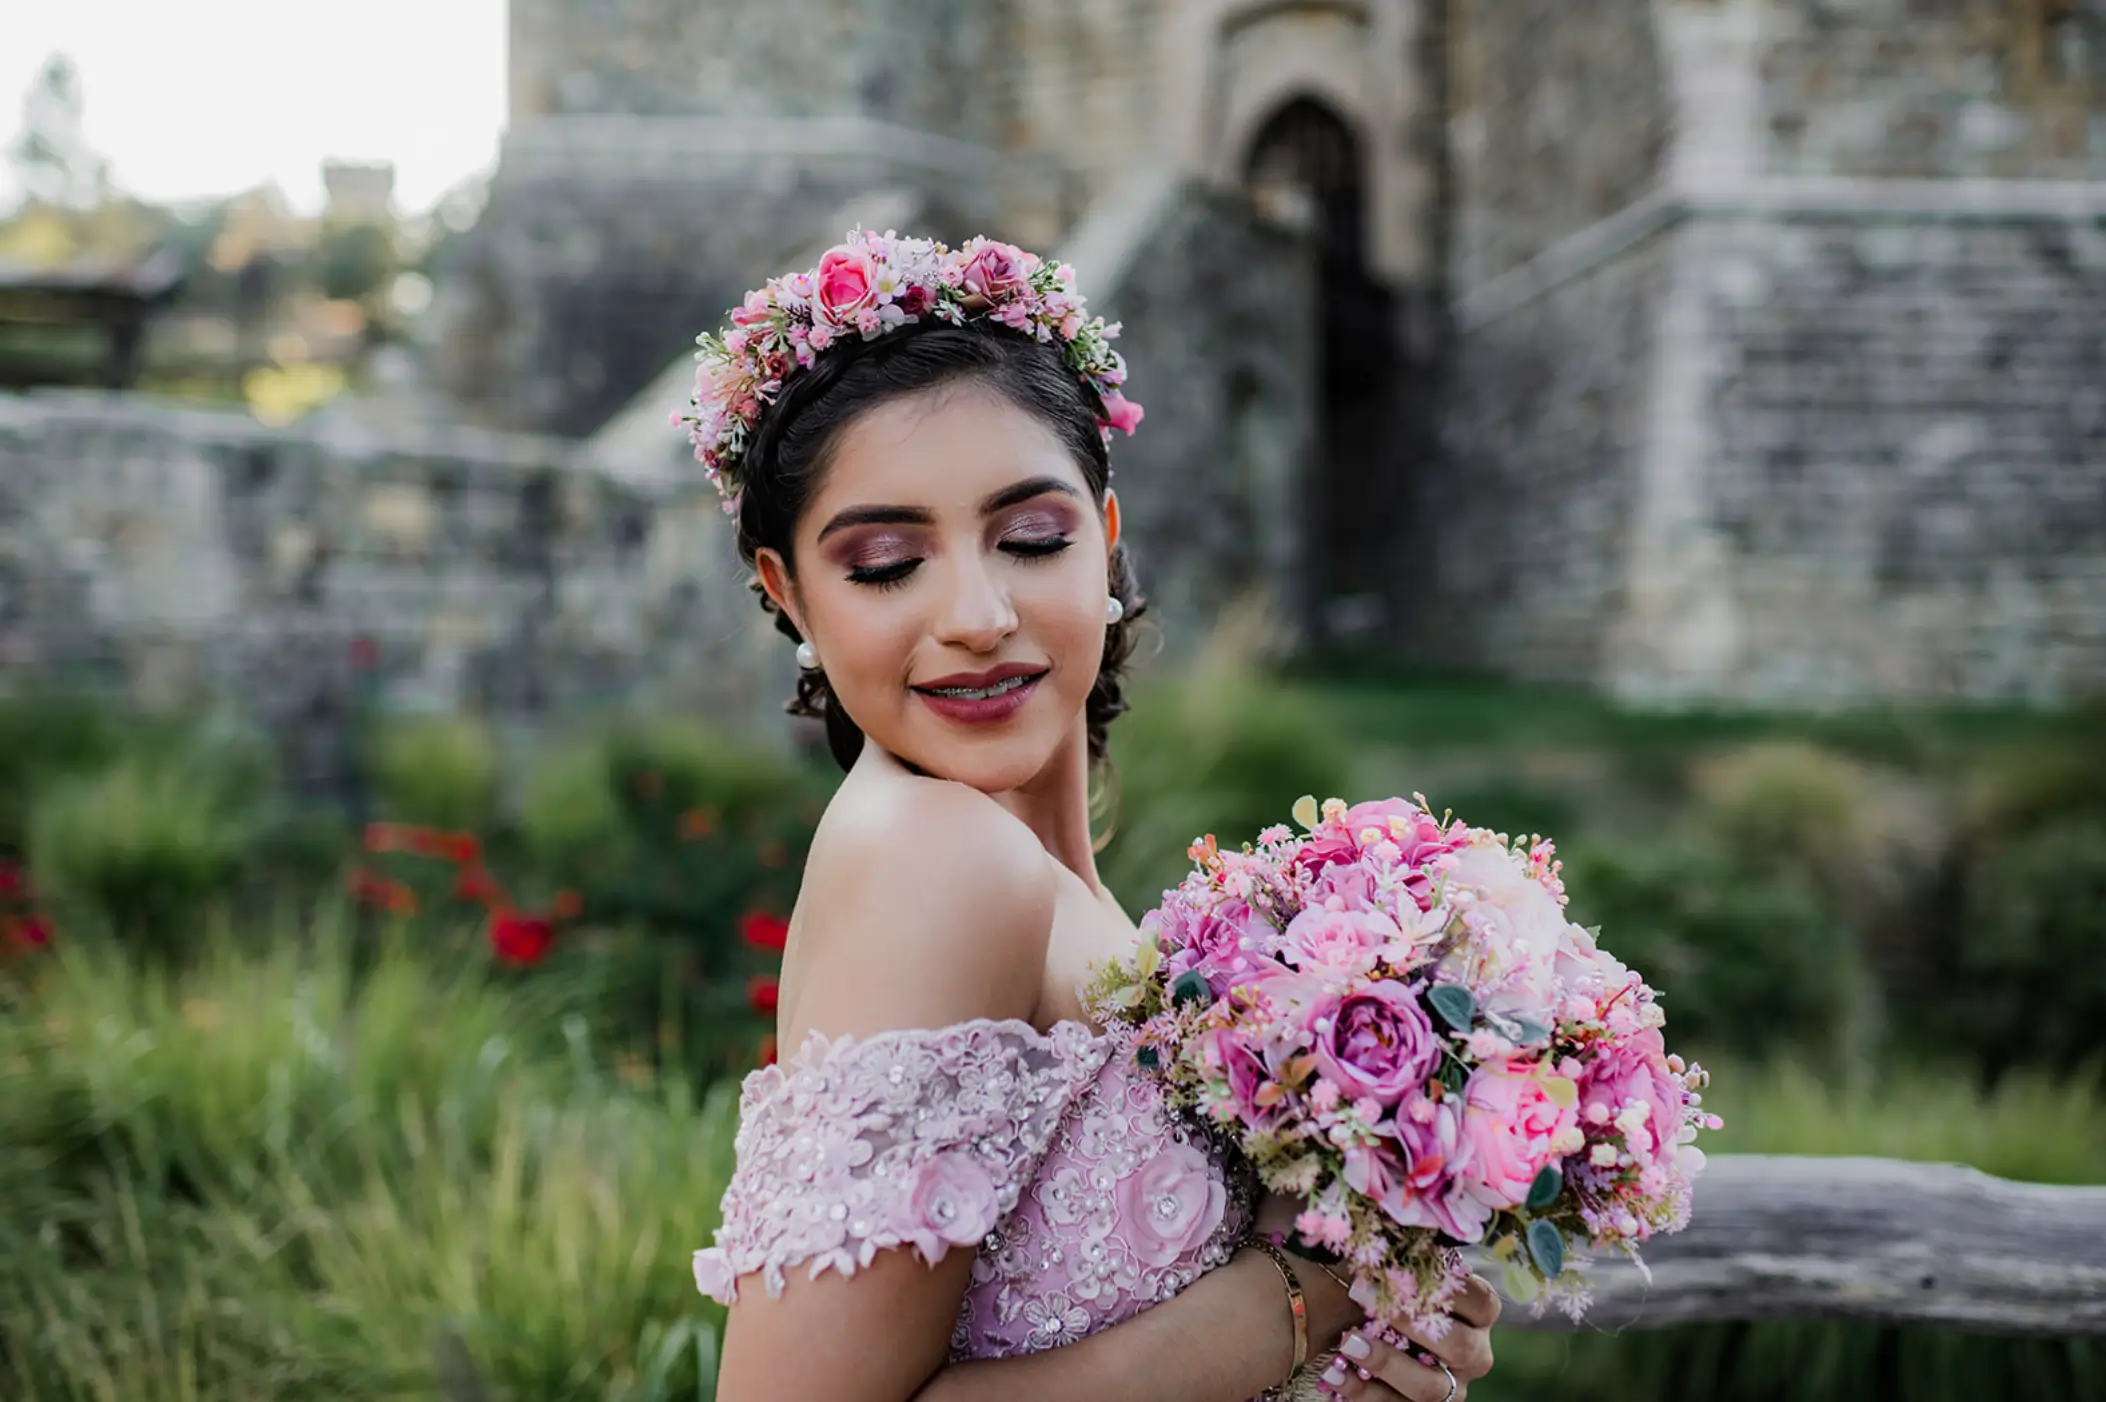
[
  {"x": 1171, "y": 1205},
  {"x": 995, "y": 271},
  {"x": 1511, "y": 1129},
  {"x": 950, "y": 1202},
  {"x": 1120, "y": 412},
  {"x": 844, "y": 286},
  {"x": 1375, "y": 1042}
]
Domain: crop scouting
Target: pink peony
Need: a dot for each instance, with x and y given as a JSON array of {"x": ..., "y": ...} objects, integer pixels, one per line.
[
  {"x": 1120, "y": 412},
  {"x": 1171, "y": 1205},
  {"x": 844, "y": 289},
  {"x": 1376, "y": 1042},
  {"x": 1510, "y": 1131},
  {"x": 1631, "y": 1072},
  {"x": 1338, "y": 939},
  {"x": 950, "y": 1202}
]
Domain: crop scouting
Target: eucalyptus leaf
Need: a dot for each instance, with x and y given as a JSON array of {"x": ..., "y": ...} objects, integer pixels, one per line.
[
  {"x": 1151, "y": 1060},
  {"x": 1544, "y": 1191},
  {"x": 1546, "y": 1245},
  {"x": 1191, "y": 987},
  {"x": 1454, "y": 1003},
  {"x": 1455, "y": 1076},
  {"x": 1527, "y": 1033}
]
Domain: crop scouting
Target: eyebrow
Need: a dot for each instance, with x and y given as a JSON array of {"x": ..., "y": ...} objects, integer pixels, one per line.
[{"x": 920, "y": 516}]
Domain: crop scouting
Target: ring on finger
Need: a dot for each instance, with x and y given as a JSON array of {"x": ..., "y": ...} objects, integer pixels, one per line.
[{"x": 1447, "y": 1373}]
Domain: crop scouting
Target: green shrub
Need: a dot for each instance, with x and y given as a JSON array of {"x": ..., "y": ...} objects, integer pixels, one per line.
[
  {"x": 1745, "y": 961},
  {"x": 145, "y": 847},
  {"x": 2026, "y": 977},
  {"x": 436, "y": 770},
  {"x": 1220, "y": 747},
  {"x": 42, "y": 739}
]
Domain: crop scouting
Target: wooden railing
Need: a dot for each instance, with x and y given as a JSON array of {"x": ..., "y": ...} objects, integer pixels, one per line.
[{"x": 1777, "y": 1237}]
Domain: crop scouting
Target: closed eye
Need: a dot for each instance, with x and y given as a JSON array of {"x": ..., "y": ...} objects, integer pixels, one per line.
[
  {"x": 882, "y": 576},
  {"x": 1037, "y": 549}
]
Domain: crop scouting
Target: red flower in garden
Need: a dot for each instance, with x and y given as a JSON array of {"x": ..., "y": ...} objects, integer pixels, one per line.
[
  {"x": 427, "y": 842},
  {"x": 475, "y": 883},
  {"x": 762, "y": 993},
  {"x": 697, "y": 823},
  {"x": 25, "y": 931},
  {"x": 764, "y": 931},
  {"x": 519, "y": 938},
  {"x": 14, "y": 882},
  {"x": 568, "y": 905},
  {"x": 767, "y": 1050},
  {"x": 461, "y": 847},
  {"x": 369, "y": 887},
  {"x": 384, "y": 837}
]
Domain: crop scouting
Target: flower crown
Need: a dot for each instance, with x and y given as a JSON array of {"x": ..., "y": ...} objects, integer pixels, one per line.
[{"x": 866, "y": 286}]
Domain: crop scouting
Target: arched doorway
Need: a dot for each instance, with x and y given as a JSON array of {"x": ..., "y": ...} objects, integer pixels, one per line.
[{"x": 1306, "y": 167}]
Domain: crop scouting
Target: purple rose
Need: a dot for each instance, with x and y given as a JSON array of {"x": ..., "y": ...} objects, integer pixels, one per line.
[
  {"x": 1170, "y": 1205},
  {"x": 950, "y": 1202},
  {"x": 1377, "y": 1042}
]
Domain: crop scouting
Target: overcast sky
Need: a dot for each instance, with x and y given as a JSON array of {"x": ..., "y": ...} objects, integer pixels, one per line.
[{"x": 192, "y": 98}]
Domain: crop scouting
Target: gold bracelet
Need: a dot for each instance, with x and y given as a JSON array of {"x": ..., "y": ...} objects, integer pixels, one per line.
[{"x": 1297, "y": 1303}]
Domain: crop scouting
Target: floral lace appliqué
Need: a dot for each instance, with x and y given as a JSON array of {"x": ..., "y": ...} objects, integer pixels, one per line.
[{"x": 1052, "y": 1154}]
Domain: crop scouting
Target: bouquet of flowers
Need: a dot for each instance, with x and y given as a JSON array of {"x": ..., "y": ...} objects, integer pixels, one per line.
[{"x": 1391, "y": 1016}]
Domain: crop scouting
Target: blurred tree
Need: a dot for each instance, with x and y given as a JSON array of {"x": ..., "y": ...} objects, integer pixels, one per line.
[
  {"x": 52, "y": 157},
  {"x": 355, "y": 261}
]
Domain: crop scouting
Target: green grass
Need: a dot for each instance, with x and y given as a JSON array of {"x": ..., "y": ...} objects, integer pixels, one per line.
[{"x": 316, "y": 1171}]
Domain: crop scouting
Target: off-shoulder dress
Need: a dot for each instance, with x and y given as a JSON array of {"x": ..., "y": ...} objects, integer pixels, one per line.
[{"x": 1050, "y": 1155}]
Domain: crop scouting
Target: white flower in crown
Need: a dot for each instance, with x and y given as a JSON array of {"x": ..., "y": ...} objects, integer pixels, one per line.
[{"x": 866, "y": 286}]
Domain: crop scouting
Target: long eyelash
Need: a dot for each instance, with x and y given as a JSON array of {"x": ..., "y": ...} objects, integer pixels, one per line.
[
  {"x": 883, "y": 576},
  {"x": 1037, "y": 549}
]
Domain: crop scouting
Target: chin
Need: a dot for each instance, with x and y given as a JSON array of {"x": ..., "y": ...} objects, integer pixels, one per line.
[{"x": 994, "y": 761}]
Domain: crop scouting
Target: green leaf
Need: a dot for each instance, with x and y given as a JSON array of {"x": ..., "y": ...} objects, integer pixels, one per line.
[
  {"x": 1528, "y": 1033},
  {"x": 1546, "y": 1245},
  {"x": 1544, "y": 1191},
  {"x": 1521, "y": 1285},
  {"x": 1454, "y": 1003},
  {"x": 1455, "y": 1076},
  {"x": 1191, "y": 987},
  {"x": 1152, "y": 1060}
]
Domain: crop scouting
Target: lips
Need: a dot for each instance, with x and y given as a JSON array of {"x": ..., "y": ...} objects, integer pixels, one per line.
[
  {"x": 982, "y": 698},
  {"x": 966, "y": 683}
]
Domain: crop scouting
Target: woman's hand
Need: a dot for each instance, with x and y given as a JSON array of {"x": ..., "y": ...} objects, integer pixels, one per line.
[{"x": 1367, "y": 1370}]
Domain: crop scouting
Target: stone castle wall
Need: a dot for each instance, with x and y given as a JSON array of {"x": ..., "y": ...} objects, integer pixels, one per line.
[{"x": 178, "y": 555}]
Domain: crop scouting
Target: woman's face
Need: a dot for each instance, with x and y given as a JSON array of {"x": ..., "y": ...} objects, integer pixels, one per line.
[{"x": 951, "y": 572}]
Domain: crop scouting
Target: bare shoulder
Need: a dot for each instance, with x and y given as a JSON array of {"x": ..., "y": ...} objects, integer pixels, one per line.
[{"x": 925, "y": 903}]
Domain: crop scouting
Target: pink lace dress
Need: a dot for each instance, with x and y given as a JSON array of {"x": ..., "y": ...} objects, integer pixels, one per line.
[{"x": 1049, "y": 1154}]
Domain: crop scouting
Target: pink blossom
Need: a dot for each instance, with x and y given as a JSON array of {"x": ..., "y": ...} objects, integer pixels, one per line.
[
  {"x": 949, "y": 1202},
  {"x": 1510, "y": 1131},
  {"x": 1376, "y": 1042},
  {"x": 1244, "y": 1067},
  {"x": 844, "y": 290},
  {"x": 1633, "y": 1072},
  {"x": 1338, "y": 939},
  {"x": 821, "y": 336},
  {"x": 996, "y": 271},
  {"x": 1120, "y": 412},
  {"x": 1171, "y": 1205}
]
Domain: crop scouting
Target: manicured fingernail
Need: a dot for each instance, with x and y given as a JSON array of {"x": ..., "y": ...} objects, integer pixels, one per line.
[
  {"x": 1364, "y": 1374},
  {"x": 1355, "y": 1347},
  {"x": 1335, "y": 1374}
]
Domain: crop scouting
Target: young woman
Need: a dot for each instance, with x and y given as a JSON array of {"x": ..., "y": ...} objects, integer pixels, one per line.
[{"x": 954, "y": 1186}]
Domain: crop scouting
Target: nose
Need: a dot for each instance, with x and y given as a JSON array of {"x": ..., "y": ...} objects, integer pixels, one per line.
[{"x": 977, "y": 613}]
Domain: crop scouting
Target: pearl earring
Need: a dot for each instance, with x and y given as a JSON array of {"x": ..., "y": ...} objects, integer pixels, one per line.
[
  {"x": 808, "y": 657},
  {"x": 1113, "y": 609}
]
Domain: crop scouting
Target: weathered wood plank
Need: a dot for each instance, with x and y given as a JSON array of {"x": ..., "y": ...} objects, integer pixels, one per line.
[{"x": 1781, "y": 1237}]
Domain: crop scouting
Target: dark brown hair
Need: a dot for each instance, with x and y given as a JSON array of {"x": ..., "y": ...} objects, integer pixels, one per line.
[{"x": 791, "y": 446}]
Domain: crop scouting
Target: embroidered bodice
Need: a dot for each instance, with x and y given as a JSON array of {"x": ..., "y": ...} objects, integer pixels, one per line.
[{"x": 1052, "y": 1154}]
